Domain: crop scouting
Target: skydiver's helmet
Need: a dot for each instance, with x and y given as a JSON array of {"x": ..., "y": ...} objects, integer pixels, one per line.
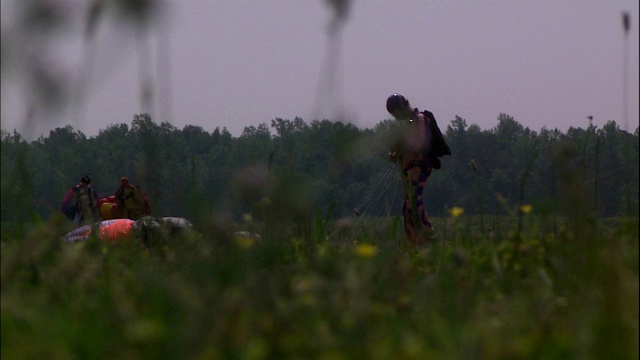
[
  {"x": 124, "y": 181},
  {"x": 396, "y": 102},
  {"x": 86, "y": 180}
]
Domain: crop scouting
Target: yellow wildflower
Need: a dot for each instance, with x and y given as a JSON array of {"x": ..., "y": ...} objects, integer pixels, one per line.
[
  {"x": 456, "y": 211},
  {"x": 366, "y": 250},
  {"x": 526, "y": 209},
  {"x": 244, "y": 242}
]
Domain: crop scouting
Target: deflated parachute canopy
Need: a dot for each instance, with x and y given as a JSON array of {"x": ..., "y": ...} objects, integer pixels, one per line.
[
  {"x": 144, "y": 229},
  {"x": 108, "y": 230}
]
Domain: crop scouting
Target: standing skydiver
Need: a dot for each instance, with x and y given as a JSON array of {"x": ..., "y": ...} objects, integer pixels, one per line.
[
  {"x": 417, "y": 148},
  {"x": 86, "y": 202}
]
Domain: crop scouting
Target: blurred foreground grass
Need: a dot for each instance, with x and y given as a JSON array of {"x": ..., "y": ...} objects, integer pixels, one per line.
[
  {"x": 485, "y": 289},
  {"x": 558, "y": 290}
]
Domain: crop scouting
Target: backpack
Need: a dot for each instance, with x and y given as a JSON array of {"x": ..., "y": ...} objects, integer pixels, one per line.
[{"x": 439, "y": 147}]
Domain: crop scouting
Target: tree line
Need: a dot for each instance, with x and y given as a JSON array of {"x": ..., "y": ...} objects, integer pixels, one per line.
[{"x": 297, "y": 168}]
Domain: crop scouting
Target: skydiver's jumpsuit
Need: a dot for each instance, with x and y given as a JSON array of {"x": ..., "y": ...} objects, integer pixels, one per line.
[
  {"x": 86, "y": 204},
  {"x": 130, "y": 201},
  {"x": 416, "y": 168}
]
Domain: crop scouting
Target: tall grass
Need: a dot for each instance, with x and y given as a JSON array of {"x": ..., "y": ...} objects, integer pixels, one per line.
[{"x": 553, "y": 294}]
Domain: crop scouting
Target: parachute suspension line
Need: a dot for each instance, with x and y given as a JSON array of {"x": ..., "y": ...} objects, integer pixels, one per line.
[
  {"x": 372, "y": 201},
  {"x": 378, "y": 200},
  {"x": 395, "y": 195},
  {"x": 381, "y": 200},
  {"x": 364, "y": 201},
  {"x": 378, "y": 191}
]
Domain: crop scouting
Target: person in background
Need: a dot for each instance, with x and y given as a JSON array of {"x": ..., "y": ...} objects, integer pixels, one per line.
[
  {"x": 86, "y": 202},
  {"x": 129, "y": 199},
  {"x": 417, "y": 147}
]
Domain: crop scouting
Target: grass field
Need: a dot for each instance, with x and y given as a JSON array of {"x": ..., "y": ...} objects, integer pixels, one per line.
[{"x": 560, "y": 288}]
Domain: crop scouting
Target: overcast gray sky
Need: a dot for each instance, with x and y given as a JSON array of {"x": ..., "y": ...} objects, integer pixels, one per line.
[{"x": 233, "y": 63}]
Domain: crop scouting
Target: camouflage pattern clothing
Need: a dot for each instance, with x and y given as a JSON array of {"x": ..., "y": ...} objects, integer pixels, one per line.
[{"x": 413, "y": 153}]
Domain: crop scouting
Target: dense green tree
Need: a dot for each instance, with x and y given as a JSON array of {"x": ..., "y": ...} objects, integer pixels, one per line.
[{"x": 322, "y": 166}]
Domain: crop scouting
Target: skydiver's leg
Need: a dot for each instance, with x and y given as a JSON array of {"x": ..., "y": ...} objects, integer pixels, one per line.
[
  {"x": 417, "y": 223},
  {"x": 409, "y": 210},
  {"x": 419, "y": 189}
]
